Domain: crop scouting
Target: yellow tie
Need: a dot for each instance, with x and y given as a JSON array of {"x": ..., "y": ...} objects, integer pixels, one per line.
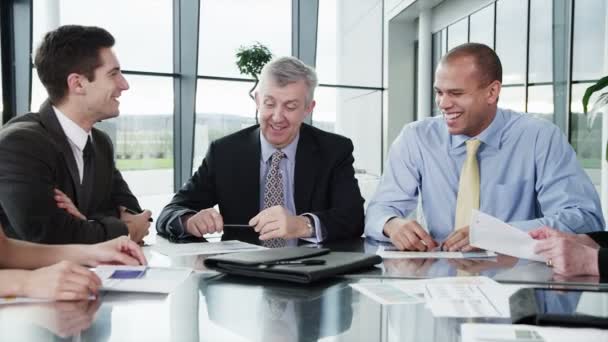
[{"x": 468, "y": 187}]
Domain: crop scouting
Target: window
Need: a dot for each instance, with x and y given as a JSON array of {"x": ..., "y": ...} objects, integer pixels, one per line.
[
  {"x": 585, "y": 138},
  {"x": 541, "y": 37},
  {"x": 349, "y": 55},
  {"x": 226, "y": 25},
  {"x": 222, "y": 107},
  {"x": 511, "y": 24},
  {"x": 349, "y": 42},
  {"x": 540, "y": 101},
  {"x": 458, "y": 33},
  {"x": 482, "y": 26},
  {"x": 589, "y": 45},
  {"x": 513, "y": 98},
  {"x": 589, "y": 63},
  {"x": 144, "y": 42},
  {"x": 356, "y": 114}
]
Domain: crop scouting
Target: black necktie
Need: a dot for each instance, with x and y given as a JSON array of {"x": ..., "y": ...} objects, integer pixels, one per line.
[{"x": 88, "y": 175}]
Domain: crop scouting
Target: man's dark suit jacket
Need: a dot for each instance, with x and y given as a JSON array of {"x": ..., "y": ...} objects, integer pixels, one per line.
[
  {"x": 35, "y": 158},
  {"x": 601, "y": 238},
  {"x": 324, "y": 185}
]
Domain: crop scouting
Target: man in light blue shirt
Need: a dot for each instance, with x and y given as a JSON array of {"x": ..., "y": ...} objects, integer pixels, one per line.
[{"x": 528, "y": 173}]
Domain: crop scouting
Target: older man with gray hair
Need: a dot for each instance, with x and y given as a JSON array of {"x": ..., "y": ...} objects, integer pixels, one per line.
[{"x": 276, "y": 182}]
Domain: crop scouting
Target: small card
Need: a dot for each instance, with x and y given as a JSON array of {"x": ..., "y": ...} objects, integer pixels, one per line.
[{"x": 127, "y": 274}]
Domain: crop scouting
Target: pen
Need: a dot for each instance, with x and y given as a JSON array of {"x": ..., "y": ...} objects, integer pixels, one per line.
[
  {"x": 233, "y": 225},
  {"x": 133, "y": 212},
  {"x": 307, "y": 262}
]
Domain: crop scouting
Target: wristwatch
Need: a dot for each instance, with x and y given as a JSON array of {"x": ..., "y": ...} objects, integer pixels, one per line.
[{"x": 310, "y": 223}]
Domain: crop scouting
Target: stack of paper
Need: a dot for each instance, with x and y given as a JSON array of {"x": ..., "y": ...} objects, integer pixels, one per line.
[
  {"x": 472, "y": 332},
  {"x": 445, "y": 297},
  {"x": 492, "y": 234},
  {"x": 204, "y": 248}
]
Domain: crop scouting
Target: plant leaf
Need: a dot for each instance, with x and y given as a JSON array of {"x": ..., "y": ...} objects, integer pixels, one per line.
[{"x": 601, "y": 84}]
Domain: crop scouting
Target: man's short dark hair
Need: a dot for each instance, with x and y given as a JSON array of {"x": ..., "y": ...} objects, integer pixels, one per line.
[
  {"x": 69, "y": 49},
  {"x": 486, "y": 60}
]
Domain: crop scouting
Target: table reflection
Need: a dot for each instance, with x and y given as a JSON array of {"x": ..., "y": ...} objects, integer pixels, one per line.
[
  {"x": 276, "y": 311},
  {"x": 44, "y": 321}
]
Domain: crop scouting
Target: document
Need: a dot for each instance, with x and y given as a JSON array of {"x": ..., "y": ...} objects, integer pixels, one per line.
[
  {"x": 22, "y": 300},
  {"x": 204, "y": 248},
  {"x": 141, "y": 278},
  {"x": 467, "y": 300},
  {"x": 492, "y": 234},
  {"x": 392, "y": 253},
  {"x": 389, "y": 294},
  {"x": 445, "y": 297},
  {"x": 475, "y": 332}
]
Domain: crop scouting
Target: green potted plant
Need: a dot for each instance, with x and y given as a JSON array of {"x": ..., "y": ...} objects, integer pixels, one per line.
[
  {"x": 600, "y": 103},
  {"x": 250, "y": 60}
]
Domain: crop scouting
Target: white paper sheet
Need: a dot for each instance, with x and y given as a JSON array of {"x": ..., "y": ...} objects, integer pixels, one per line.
[
  {"x": 388, "y": 294},
  {"x": 204, "y": 248},
  {"x": 492, "y": 234},
  {"x": 475, "y": 332},
  {"x": 445, "y": 297},
  {"x": 392, "y": 254},
  {"x": 467, "y": 300},
  {"x": 22, "y": 300},
  {"x": 154, "y": 280}
]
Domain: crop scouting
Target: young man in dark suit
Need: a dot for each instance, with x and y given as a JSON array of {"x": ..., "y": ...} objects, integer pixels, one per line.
[
  {"x": 285, "y": 179},
  {"x": 58, "y": 180}
]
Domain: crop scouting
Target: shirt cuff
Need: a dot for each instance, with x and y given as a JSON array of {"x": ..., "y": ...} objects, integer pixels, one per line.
[
  {"x": 375, "y": 230},
  {"x": 319, "y": 231},
  {"x": 176, "y": 227}
]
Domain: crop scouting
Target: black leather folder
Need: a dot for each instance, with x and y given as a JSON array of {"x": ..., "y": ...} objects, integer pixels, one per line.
[
  {"x": 259, "y": 263},
  {"x": 551, "y": 307}
]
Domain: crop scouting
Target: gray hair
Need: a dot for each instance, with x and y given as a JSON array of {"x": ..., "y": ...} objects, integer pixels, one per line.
[{"x": 286, "y": 70}]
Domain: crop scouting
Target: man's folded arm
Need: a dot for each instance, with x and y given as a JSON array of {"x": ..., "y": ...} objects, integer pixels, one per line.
[{"x": 27, "y": 197}]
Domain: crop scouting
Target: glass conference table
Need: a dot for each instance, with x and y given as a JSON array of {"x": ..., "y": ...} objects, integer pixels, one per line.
[{"x": 215, "y": 307}]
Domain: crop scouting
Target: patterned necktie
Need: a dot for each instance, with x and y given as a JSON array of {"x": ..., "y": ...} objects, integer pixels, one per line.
[
  {"x": 468, "y": 187},
  {"x": 273, "y": 193}
]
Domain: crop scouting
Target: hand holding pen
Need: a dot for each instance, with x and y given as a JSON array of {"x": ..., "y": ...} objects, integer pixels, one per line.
[{"x": 137, "y": 224}]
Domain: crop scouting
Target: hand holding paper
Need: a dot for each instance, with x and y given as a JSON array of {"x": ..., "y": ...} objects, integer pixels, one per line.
[{"x": 492, "y": 234}]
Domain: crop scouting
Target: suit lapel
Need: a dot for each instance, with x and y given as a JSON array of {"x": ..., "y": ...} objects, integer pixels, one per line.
[
  {"x": 307, "y": 164},
  {"x": 250, "y": 185},
  {"x": 50, "y": 122}
]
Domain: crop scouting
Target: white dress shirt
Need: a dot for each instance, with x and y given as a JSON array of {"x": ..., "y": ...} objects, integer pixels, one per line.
[{"x": 77, "y": 137}]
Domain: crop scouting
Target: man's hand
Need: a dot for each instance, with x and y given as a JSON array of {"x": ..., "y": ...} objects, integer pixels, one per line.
[
  {"x": 568, "y": 257},
  {"x": 206, "y": 221},
  {"x": 458, "y": 241},
  {"x": 408, "y": 235},
  {"x": 276, "y": 222},
  {"x": 137, "y": 224},
  {"x": 121, "y": 250},
  {"x": 64, "y": 202},
  {"x": 62, "y": 281},
  {"x": 545, "y": 232}
]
